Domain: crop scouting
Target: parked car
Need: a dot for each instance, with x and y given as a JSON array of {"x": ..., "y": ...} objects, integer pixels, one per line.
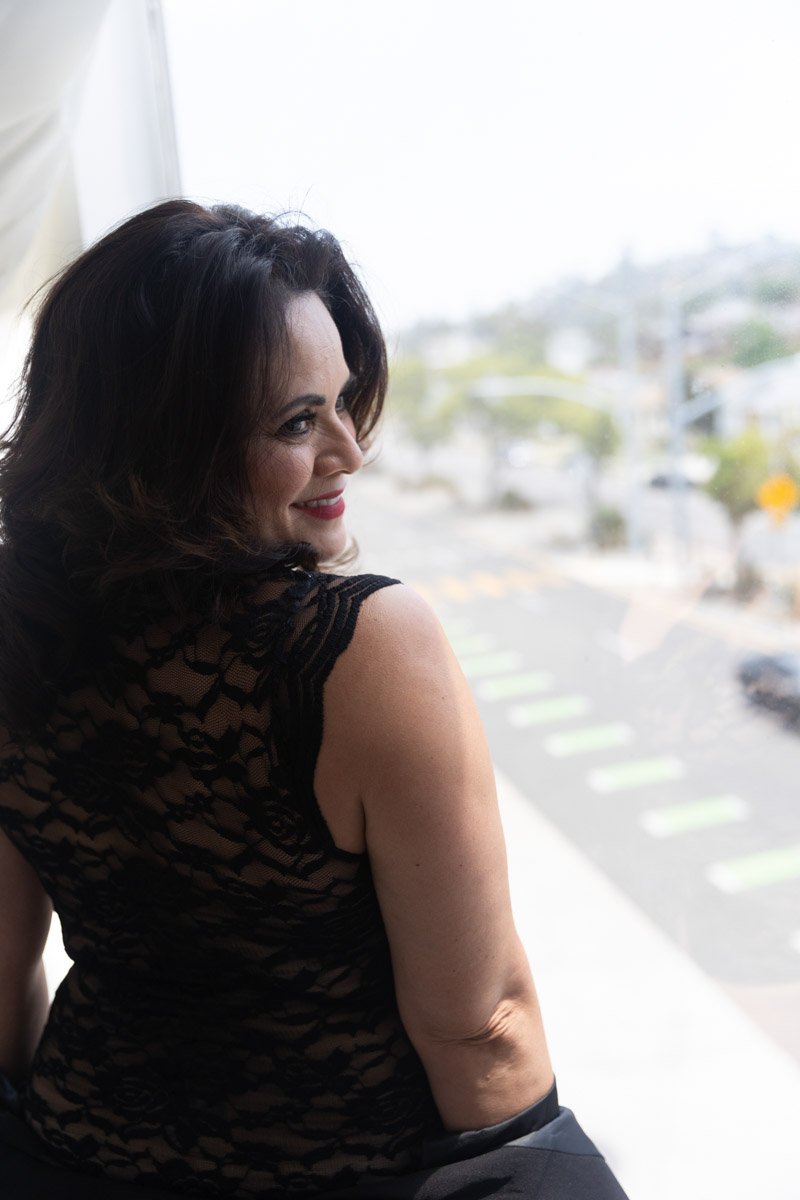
[
  {"x": 773, "y": 680},
  {"x": 667, "y": 479},
  {"x": 690, "y": 471}
]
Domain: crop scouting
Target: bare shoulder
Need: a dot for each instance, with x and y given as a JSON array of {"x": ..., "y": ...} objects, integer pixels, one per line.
[
  {"x": 399, "y": 663},
  {"x": 403, "y": 716},
  {"x": 388, "y": 702},
  {"x": 398, "y": 616},
  {"x": 396, "y": 627}
]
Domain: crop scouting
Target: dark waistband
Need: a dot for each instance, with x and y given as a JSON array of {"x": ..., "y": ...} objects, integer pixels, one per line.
[{"x": 455, "y": 1147}]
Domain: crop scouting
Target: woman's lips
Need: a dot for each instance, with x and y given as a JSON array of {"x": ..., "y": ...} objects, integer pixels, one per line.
[{"x": 324, "y": 508}]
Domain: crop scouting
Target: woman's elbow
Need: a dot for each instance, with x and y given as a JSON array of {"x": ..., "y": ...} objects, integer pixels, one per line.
[{"x": 489, "y": 1073}]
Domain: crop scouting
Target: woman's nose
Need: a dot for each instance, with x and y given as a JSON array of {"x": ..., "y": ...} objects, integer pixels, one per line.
[{"x": 342, "y": 453}]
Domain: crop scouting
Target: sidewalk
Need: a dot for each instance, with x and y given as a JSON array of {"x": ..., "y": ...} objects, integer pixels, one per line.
[
  {"x": 686, "y": 1098},
  {"x": 635, "y": 577}
]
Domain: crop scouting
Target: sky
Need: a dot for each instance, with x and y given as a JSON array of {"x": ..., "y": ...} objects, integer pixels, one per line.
[{"x": 467, "y": 154}]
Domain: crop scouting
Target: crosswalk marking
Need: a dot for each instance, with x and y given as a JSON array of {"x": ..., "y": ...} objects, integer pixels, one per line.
[
  {"x": 560, "y": 708},
  {"x": 673, "y": 819},
  {"x": 756, "y": 870},
  {"x": 476, "y": 665},
  {"x": 508, "y": 686},
  {"x": 625, "y": 775},
  {"x": 583, "y": 741},
  {"x": 472, "y": 643},
  {"x": 794, "y": 940}
]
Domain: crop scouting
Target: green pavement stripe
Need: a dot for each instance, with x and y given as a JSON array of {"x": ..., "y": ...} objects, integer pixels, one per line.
[
  {"x": 475, "y": 643},
  {"x": 557, "y": 709},
  {"x": 625, "y": 775},
  {"x": 756, "y": 870},
  {"x": 700, "y": 814},
  {"x": 508, "y": 686},
  {"x": 476, "y": 665},
  {"x": 582, "y": 741}
]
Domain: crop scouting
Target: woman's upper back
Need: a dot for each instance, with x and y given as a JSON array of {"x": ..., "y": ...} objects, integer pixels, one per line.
[
  {"x": 193, "y": 749},
  {"x": 231, "y": 1006}
]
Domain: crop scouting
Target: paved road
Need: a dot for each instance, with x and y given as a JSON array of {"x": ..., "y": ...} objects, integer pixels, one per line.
[{"x": 648, "y": 759}]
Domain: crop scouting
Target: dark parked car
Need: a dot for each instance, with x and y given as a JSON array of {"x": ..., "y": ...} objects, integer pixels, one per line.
[
  {"x": 668, "y": 479},
  {"x": 773, "y": 680}
]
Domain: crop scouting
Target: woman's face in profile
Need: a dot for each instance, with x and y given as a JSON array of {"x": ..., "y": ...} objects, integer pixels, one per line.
[{"x": 301, "y": 460}]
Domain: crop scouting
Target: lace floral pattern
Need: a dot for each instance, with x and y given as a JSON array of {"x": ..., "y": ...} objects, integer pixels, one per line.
[{"x": 228, "y": 1026}]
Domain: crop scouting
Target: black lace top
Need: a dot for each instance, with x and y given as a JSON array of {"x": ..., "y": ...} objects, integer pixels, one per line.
[{"x": 229, "y": 1026}]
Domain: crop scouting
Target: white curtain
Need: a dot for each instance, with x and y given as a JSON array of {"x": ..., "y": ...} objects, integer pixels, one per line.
[{"x": 45, "y": 47}]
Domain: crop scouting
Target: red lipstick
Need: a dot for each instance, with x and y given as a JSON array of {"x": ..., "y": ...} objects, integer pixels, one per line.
[{"x": 325, "y": 508}]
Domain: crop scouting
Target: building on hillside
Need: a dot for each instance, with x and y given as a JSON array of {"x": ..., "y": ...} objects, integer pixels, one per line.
[{"x": 766, "y": 396}]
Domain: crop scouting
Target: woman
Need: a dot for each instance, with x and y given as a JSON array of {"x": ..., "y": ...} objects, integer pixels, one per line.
[{"x": 256, "y": 793}]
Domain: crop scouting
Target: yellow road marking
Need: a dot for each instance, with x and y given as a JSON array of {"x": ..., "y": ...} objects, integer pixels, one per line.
[
  {"x": 490, "y": 585},
  {"x": 487, "y": 583},
  {"x": 453, "y": 588}
]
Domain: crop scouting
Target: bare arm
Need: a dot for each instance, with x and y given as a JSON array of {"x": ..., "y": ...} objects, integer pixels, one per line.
[
  {"x": 25, "y": 915},
  {"x": 404, "y": 718}
]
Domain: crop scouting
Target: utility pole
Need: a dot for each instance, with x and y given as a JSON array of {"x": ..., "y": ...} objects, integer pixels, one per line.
[
  {"x": 622, "y": 306},
  {"x": 675, "y": 388},
  {"x": 627, "y": 338}
]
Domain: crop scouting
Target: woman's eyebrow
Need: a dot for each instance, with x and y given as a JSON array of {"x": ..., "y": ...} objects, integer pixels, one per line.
[{"x": 313, "y": 398}]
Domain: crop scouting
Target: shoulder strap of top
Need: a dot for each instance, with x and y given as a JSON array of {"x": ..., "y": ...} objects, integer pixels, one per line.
[{"x": 324, "y": 628}]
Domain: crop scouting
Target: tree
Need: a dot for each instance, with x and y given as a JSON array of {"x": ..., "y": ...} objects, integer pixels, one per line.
[
  {"x": 743, "y": 463},
  {"x": 427, "y": 421},
  {"x": 596, "y": 429},
  {"x": 756, "y": 342},
  {"x": 510, "y": 417},
  {"x": 780, "y": 288},
  {"x": 429, "y": 405}
]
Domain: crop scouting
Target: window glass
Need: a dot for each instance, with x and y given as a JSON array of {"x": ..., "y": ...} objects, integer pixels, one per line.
[{"x": 579, "y": 223}]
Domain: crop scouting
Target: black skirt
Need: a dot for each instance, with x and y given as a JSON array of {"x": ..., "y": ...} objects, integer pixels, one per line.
[{"x": 540, "y": 1154}]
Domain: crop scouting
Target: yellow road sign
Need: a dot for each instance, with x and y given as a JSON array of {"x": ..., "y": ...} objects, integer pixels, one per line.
[{"x": 778, "y": 494}]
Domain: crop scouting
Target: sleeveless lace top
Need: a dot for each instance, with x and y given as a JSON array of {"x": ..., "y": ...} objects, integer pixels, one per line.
[{"x": 228, "y": 1026}]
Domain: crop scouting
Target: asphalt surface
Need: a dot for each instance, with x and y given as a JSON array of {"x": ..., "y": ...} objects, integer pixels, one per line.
[{"x": 624, "y": 724}]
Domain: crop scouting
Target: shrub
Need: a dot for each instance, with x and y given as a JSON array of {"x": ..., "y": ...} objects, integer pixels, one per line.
[
  {"x": 607, "y": 528},
  {"x": 747, "y": 583}
]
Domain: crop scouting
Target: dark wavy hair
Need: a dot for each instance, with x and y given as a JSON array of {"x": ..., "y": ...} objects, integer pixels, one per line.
[{"x": 124, "y": 483}]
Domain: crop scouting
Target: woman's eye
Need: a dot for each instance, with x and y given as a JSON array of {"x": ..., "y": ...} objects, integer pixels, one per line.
[
  {"x": 303, "y": 421},
  {"x": 299, "y": 424}
]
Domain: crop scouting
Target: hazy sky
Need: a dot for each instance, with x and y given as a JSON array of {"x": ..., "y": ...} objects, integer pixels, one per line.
[{"x": 467, "y": 153}]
